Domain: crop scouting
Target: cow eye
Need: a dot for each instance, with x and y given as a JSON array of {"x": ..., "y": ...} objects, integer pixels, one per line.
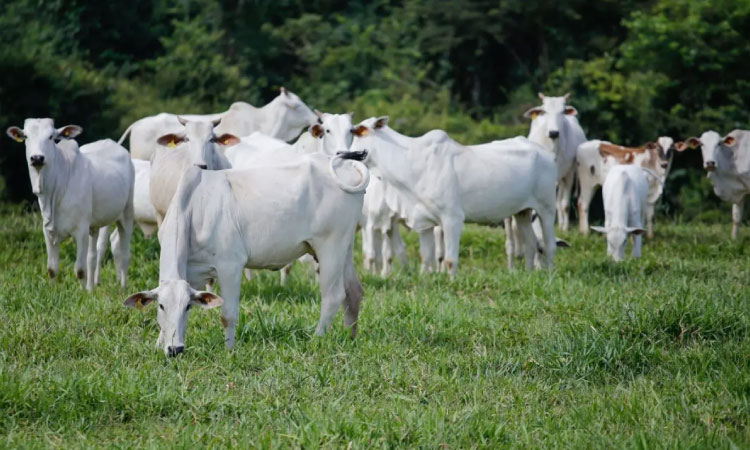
[
  {"x": 161, "y": 306},
  {"x": 328, "y": 131}
]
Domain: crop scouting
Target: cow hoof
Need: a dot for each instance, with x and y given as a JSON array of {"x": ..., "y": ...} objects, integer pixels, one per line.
[
  {"x": 51, "y": 274},
  {"x": 80, "y": 274}
]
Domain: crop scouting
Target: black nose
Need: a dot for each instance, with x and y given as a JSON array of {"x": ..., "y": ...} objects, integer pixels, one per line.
[
  {"x": 37, "y": 160},
  {"x": 202, "y": 166},
  {"x": 710, "y": 165},
  {"x": 554, "y": 134},
  {"x": 174, "y": 351}
]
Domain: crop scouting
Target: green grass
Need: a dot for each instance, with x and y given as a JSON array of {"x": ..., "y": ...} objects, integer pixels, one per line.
[{"x": 649, "y": 353}]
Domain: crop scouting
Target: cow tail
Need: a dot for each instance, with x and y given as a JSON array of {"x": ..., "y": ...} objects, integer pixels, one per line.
[
  {"x": 358, "y": 166},
  {"x": 125, "y": 134}
]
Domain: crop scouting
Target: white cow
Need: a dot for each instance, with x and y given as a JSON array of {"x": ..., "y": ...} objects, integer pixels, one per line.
[
  {"x": 382, "y": 212},
  {"x": 80, "y": 190},
  {"x": 195, "y": 145},
  {"x": 447, "y": 183},
  {"x": 263, "y": 217},
  {"x": 283, "y": 118},
  {"x": 727, "y": 161},
  {"x": 554, "y": 126},
  {"x": 625, "y": 194},
  {"x": 654, "y": 156}
]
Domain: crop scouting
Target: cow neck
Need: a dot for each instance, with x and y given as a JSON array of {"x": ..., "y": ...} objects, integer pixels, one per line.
[
  {"x": 274, "y": 117},
  {"x": 392, "y": 162},
  {"x": 174, "y": 241},
  {"x": 55, "y": 185}
]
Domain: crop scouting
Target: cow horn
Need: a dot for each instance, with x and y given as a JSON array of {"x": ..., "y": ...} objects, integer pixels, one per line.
[
  {"x": 317, "y": 112},
  {"x": 541, "y": 96},
  {"x": 566, "y": 96},
  {"x": 216, "y": 122}
]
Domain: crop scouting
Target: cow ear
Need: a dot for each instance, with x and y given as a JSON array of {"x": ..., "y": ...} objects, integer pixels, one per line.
[
  {"x": 16, "y": 134},
  {"x": 729, "y": 141},
  {"x": 381, "y": 122},
  {"x": 680, "y": 146},
  {"x": 693, "y": 142},
  {"x": 570, "y": 111},
  {"x": 651, "y": 146},
  {"x": 206, "y": 300},
  {"x": 360, "y": 131},
  {"x": 227, "y": 140},
  {"x": 141, "y": 299},
  {"x": 69, "y": 131},
  {"x": 533, "y": 113},
  {"x": 635, "y": 230},
  {"x": 599, "y": 229},
  {"x": 170, "y": 140},
  {"x": 317, "y": 131}
]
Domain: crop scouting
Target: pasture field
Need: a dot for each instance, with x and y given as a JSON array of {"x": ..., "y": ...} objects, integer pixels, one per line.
[{"x": 644, "y": 354}]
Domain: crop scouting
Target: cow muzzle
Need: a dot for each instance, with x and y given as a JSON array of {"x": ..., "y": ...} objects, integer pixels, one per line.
[
  {"x": 554, "y": 134},
  {"x": 37, "y": 161},
  {"x": 710, "y": 166},
  {"x": 175, "y": 350}
]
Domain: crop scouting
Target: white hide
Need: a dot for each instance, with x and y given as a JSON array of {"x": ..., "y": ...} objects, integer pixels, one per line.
[
  {"x": 264, "y": 218},
  {"x": 79, "y": 192},
  {"x": 145, "y": 214},
  {"x": 555, "y": 127},
  {"x": 283, "y": 118},
  {"x": 445, "y": 183},
  {"x": 625, "y": 193},
  {"x": 727, "y": 161}
]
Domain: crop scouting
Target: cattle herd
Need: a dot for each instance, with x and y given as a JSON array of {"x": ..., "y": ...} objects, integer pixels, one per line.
[{"x": 228, "y": 194}]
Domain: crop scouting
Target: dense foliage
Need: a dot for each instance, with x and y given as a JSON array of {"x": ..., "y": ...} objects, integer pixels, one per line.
[{"x": 636, "y": 69}]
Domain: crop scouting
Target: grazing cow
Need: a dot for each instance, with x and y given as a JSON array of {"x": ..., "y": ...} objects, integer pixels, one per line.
[
  {"x": 283, "y": 118},
  {"x": 727, "y": 161},
  {"x": 654, "y": 156},
  {"x": 554, "y": 126},
  {"x": 447, "y": 183},
  {"x": 196, "y": 145},
  {"x": 625, "y": 193},
  {"x": 80, "y": 190},
  {"x": 262, "y": 217}
]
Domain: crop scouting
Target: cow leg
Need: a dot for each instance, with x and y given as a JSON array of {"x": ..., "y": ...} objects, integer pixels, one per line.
[
  {"x": 101, "y": 250},
  {"x": 547, "y": 222},
  {"x": 53, "y": 256},
  {"x": 332, "y": 264},
  {"x": 91, "y": 259},
  {"x": 121, "y": 251},
  {"x": 584, "y": 202},
  {"x": 248, "y": 274},
  {"x": 427, "y": 250},
  {"x": 398, "y": 244},
  {"x": 650, "y": 220},
  {"x": 523, "y": 220},
  {"x": 285, "y": 271},
  {"x": 736, "y": 218},
  {"x": 371, "y": 248},
  {"x": 564, "y": 189},
  {"x": 82, "y": 247},
  {"x": 230, "y": 280},
  {"x": 452, "y": 229},
  {"x": 386, "y": 253},
  {"x": 439, "y": 247},
  {"x": 510, "y": 243},
  {"x": 354, "y": 292},
  {"x": 637, "y": 246}
]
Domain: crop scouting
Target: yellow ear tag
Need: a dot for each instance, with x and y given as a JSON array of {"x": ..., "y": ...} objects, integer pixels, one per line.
[
  {"x": 172, "y": 144},
  {"x": 139, "y": 303},
  {"x": 226, "y": 141},
  {"x": 534, "y": 115},
  {"x": 17, "y": 138},
  {"x": 66, "y": 132}
]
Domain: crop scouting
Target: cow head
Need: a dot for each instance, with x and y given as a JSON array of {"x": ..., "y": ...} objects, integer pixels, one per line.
[
  {"x": 368, "y": 136},
  {"x": 175, "y": 299},
  {"x": 548, "y": 118},
  {"x": 334, "y": 132},
  {"x": 713, "y": 148},
  {"x": 617, "y": 237},
  {"x": 41, "y": 139},
  {"x": 200, "y": 142},
  {"x": 292, "y": 116}
]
